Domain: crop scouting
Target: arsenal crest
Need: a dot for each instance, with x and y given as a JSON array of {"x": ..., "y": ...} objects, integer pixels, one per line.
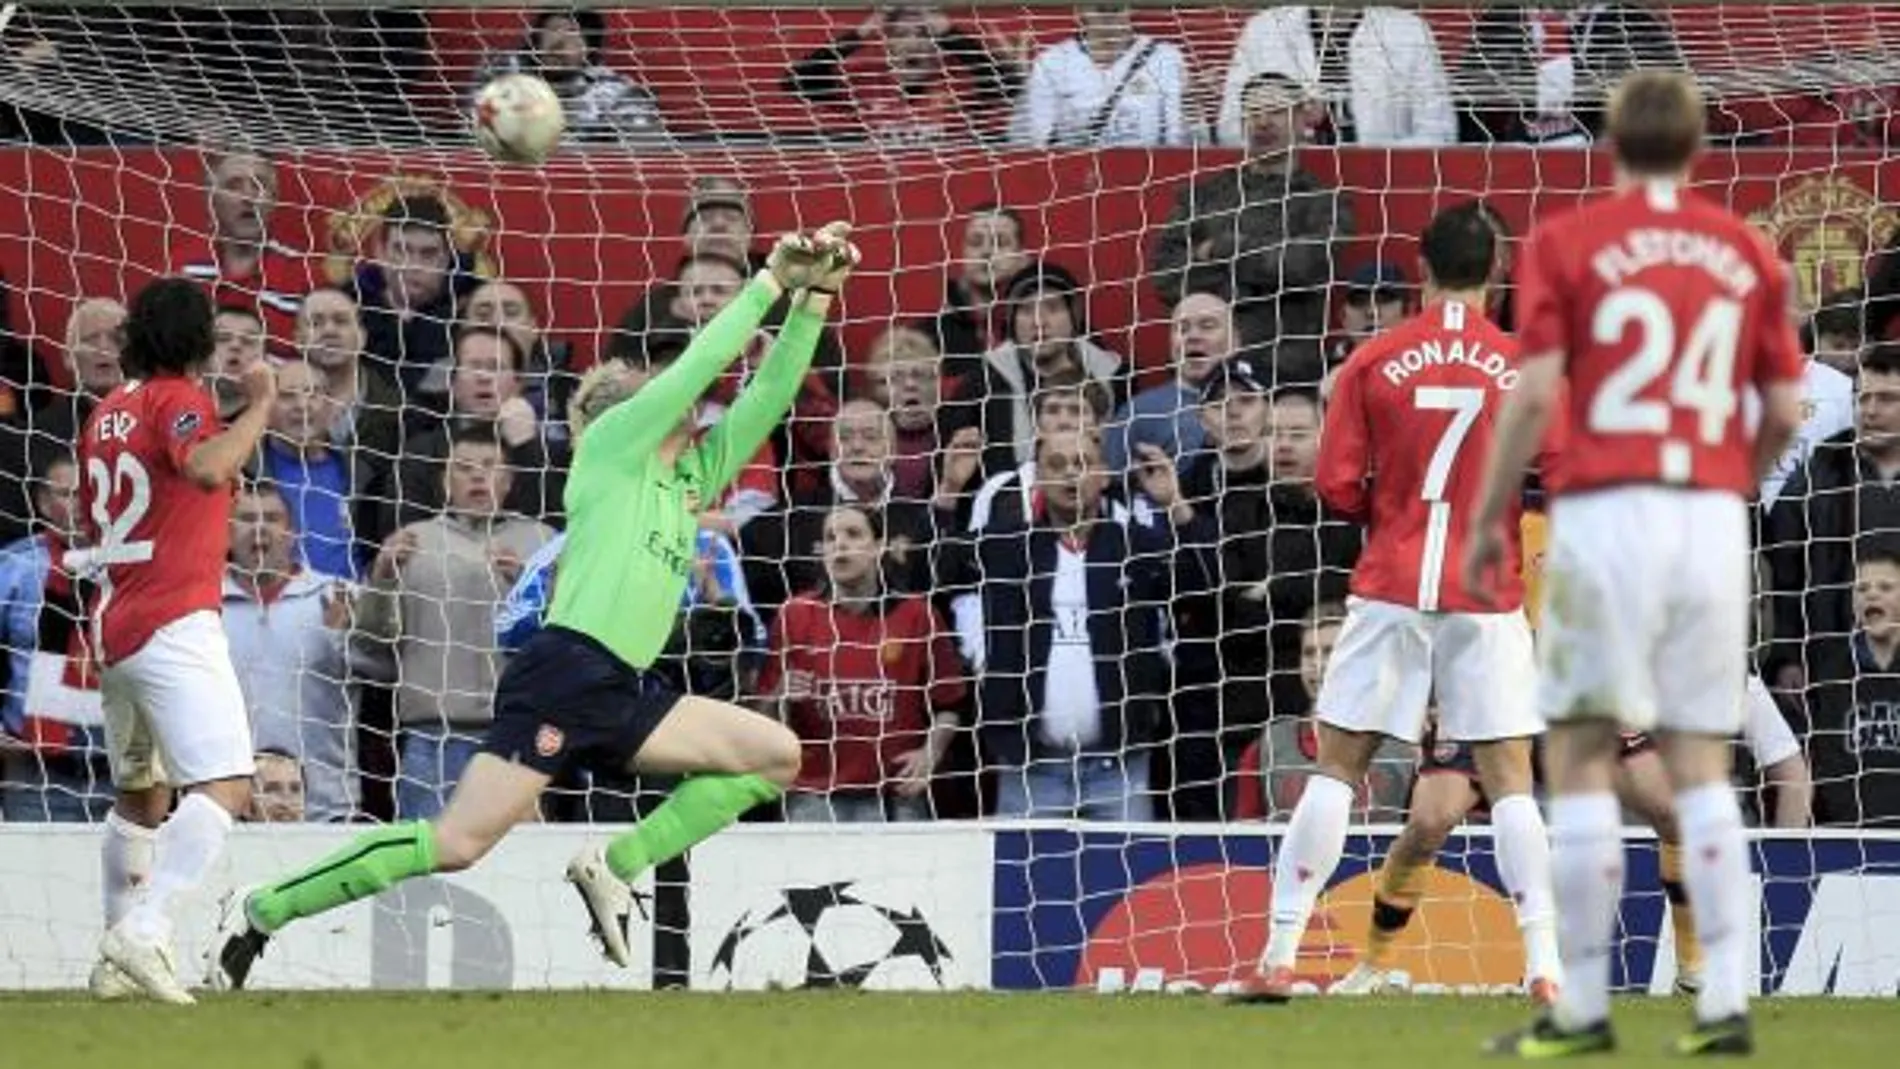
[{"x": 549, "y": 740}]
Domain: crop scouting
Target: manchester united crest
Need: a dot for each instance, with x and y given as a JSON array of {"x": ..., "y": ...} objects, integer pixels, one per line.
[
  {"x": 1827, "y": 228},
  {"x": 549, "y": 740},
  {"x": 348, "y": 231}
]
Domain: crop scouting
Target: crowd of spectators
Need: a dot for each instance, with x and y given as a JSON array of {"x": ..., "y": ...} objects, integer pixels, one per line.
[
  {"x": 908, "y": 74},
  {"x": 982, "y": 568}
]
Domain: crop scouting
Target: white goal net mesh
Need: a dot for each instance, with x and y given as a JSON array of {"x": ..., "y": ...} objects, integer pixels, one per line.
[{"x": 1112, "y": 221}]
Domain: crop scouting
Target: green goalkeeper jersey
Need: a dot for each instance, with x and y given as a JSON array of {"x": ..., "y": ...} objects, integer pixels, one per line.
[{"x": 632, "y": 520}]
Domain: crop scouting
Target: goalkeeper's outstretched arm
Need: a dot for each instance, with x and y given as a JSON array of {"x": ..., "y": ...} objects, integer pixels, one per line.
[
  {"x": 637, "y": 426},
  {"x": 766, "y": 399}
]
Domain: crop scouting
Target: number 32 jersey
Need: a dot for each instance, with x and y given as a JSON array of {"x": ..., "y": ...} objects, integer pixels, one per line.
[
  {"x": 1668, "y": 309},
  {"x": 1407, "y": 435},
  {"x": 156, "y": 541}
]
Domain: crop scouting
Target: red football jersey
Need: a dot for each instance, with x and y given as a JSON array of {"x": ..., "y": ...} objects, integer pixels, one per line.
[
  {"x": 1666, "y": 308},
  {"x": 1404, "y": 447},
  {"x": 275, "y": 287},
  {"x": 159, "y": 539},
  {"x": 878, "y": 677}
]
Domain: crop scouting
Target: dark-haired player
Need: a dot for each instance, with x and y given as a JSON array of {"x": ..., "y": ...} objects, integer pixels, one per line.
[
  {"x": 157, "y": 475},
  {"x": 1404, "y": 439},
  {"x": 1646, "y": 316}
]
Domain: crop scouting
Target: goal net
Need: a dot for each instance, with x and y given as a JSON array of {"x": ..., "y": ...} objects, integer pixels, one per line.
[{"x": 1156, "y": 229}]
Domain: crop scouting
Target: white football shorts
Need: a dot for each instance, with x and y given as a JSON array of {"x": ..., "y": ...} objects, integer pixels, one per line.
[
  {"x": 177, "y": 701},
  {"x": 1391, "y": 660},
  {"x": 1646, "y": 609}
]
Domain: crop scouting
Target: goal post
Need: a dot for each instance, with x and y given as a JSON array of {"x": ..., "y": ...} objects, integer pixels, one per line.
[{"x": 272, "y": 153}]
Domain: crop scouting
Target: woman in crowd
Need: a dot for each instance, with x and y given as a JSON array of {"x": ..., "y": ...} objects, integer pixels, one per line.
[{"x": 867, "y": 678}]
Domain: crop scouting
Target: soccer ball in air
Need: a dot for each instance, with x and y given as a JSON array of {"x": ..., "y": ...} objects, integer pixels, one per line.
[
  {"x": 828, "y": 936},
  {"x": 518, "y": 118}
]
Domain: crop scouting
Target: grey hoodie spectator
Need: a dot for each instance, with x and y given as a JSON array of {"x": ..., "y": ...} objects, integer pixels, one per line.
[
  {"x": 602, "y": 105},
  {"x": 432, "y": 596},
  {"x": 1048, "y": 327},
  {"x": 1270, "y": 224},
  {"x": 289, "y": 628}
]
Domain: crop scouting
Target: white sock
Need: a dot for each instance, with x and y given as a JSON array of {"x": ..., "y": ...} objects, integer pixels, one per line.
[
  {"x": 188, "y": 845},
  {"x": 1586, "y": 866},
  {"x": 1715, "y": 872},
  {"x": 1309, "y": 852},
  {"x": 125, "y": 863},
  {"x": 1523, "y": 851}
]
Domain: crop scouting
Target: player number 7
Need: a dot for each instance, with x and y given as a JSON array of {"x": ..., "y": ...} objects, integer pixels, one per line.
[{"x": 1465, "y": 403}]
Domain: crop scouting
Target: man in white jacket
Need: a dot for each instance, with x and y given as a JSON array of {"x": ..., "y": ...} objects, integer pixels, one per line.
[
  {"x": 1106, "y": 87},
  {"x": 1392, "y": 89}
]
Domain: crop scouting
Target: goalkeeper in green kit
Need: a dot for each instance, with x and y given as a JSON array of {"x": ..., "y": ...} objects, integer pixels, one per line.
[{"x": 579, "y": 692}]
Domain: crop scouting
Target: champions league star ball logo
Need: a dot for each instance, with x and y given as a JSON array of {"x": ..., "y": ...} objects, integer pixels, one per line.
[{"x": 830, "y": 936}]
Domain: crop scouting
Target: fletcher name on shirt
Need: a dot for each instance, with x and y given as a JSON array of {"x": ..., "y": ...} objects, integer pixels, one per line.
[{"x": 1649, "y": 247}]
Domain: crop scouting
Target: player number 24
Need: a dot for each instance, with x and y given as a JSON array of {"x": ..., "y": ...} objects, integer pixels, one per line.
[
  {"x": 115, "y": 545},
  {"x": 1704, "y": 381}
]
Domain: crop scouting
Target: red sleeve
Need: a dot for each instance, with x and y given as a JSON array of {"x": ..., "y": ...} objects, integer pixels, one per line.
[
  {"x": 1250, "y": 787},
  {"x": 1339, "y": 475},
  {"x": 1541, "y": 325},
  {"x": 1556, "y": 437},
  {"x": 185, "y": 417},
  {"x": 947, "y": 686},
  {"x": 1780, "y": 359}
]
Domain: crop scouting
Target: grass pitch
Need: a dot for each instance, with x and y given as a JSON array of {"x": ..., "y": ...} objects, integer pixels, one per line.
[{"x": 844, "y": 1030}]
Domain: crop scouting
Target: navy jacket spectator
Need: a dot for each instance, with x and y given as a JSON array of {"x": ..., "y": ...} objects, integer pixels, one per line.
[
  {"x": 1128, "y": 582},
  {"x": 1852, "y": 733},
  {"x": 411, "y": 348}
]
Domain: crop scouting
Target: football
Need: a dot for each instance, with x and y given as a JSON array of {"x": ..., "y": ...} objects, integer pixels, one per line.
[{"x": 518, "y": 118}]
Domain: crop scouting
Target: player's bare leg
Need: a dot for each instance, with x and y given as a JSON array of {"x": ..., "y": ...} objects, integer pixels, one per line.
[
  {"x": 1643, "y": 786},
  {"x": 1309, "y": 853},
  {"x": 187, "y": 844},
  {"x": 125, "y": 864},
  {"x": 734, "y": 759},
  {"x": 1586, "y": 834},
  {"x": 1440, "y": 802},
  {"x": 1716, "y": 872},
  {"x": 1522, "y": 844},
  {"x": 492, "y": 797}
]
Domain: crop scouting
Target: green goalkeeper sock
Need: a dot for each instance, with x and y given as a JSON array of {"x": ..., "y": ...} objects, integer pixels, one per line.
[
  {"x": 694, "y": 811},
  {"x": 372, "y": 862}
]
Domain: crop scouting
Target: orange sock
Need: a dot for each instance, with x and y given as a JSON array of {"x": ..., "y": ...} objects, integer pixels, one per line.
[
  {"x": 1392, "y": 907},
  {"x": 1681, "y": 911}
]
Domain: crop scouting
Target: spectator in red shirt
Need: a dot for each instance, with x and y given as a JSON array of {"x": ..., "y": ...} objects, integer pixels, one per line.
[
  {"x": 914, "y": 96},
  {"x": 238, "y": 260},
  {"x": 868, "y": 679},
  {"x": 1275, "y": 768}
]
